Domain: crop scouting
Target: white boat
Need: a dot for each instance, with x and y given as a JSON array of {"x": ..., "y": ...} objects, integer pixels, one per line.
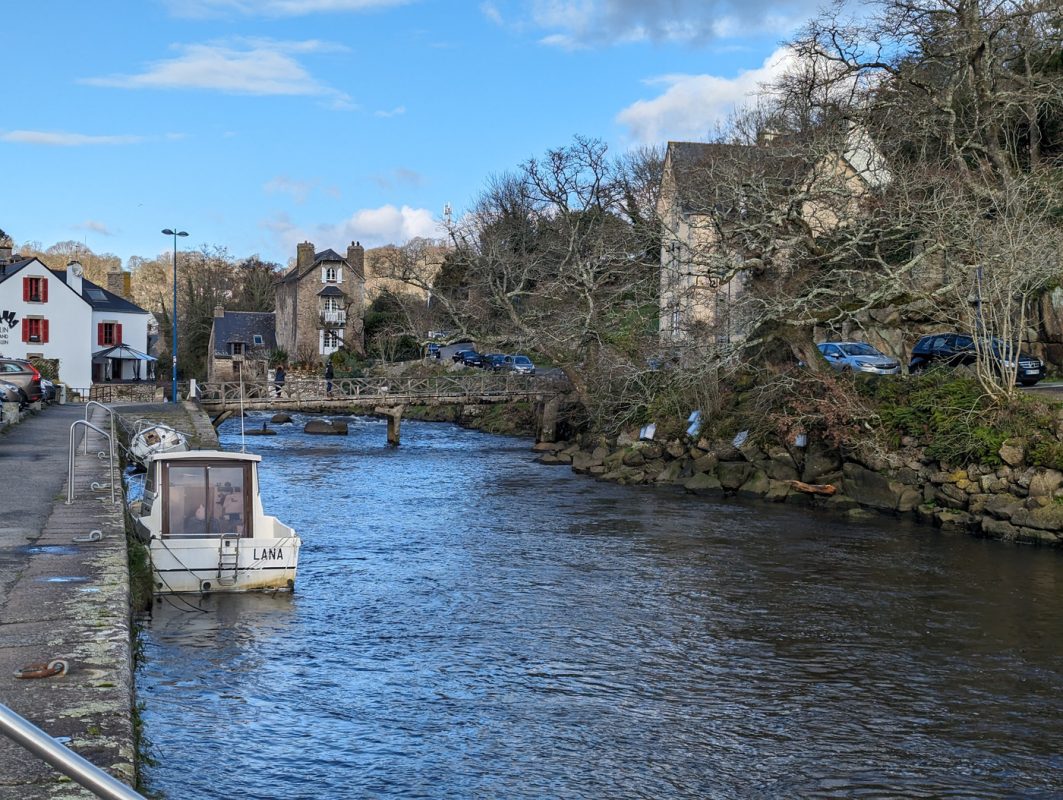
[
  {"x": 202, "y": 519},
  {"x": 154, "y": 440}
]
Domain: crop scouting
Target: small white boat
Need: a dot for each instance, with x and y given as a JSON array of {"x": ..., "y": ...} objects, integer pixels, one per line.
[
  {"x": 154, "y": 440},
  {"x": 202, "y": 519}
]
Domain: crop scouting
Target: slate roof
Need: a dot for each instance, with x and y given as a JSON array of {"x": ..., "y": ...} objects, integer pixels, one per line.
[
  {"x": 242, "y": 326},
  {"x": 331, "y": 291},
  {"x": 327, "y": 255},
  {"x": 96, "y": 296}
]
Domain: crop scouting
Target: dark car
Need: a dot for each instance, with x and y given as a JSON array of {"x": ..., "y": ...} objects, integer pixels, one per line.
[
  {"x": 459, "y": 355},
  {"x": 495, "y": 362},
  {"x": 49, "y": 393},
  {"x": 471, "y": 358},
  {"x": 956, "y": 349},
  {"x": 9, "y": 393},
  {"x": 23, "y": 374}
]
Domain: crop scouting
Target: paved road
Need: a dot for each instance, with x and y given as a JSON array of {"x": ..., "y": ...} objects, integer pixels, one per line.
[{"x": 33, "y": 466}]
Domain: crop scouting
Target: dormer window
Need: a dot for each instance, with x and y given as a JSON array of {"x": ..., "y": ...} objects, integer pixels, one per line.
[
  {"x": 236, "y": 348},
  {"x": 258, "y": 340},
  {"x": 331, "y": 274}
]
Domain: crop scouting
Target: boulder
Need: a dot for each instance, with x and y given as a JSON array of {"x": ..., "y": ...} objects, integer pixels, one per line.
[
  {"x": 1001, "y": 506},
  {"x": 758, "y": 484},
  {"x": 1046, "y": 518},
  {"x": 324, "y": 427},
  {"x": 633, "y": 457},
  {"x": 819, "y": 461},
  {"x": 909, "y": 499},
  {"x": 998, "y": 528},
  {"x": 733, "y": 474},
  {"x": 670, "y": 473},
  {"x": 1012, "y": 452},
  {"x": 281, "y": 418},
  {"x": 548, "y": 447},
  {"x": 869, "y": 488},
  {"x": 583, "y": 461},
  {"x": 676, "y": 449},
  {"x": 706, "y": 463},
  {"x": 260, "y": 432},
  {"x": 702, "y": 483},
  {"x": 777, "y": 491},
  {"x": 552, "y": 459},
  {"x": 1044, "y": 484},
  {"x": 949, "y": 520}
]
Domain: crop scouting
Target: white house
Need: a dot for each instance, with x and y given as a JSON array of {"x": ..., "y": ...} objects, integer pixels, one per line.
[{"x": 93, "y": 334}]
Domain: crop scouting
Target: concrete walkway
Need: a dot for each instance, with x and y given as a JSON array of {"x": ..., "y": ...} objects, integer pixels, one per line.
[{"x": 60, "y": 598}]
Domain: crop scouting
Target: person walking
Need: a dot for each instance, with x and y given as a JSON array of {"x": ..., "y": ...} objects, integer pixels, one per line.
[
  {"x": 278, "y": 380},
  {"x": 328, "y": 378}
]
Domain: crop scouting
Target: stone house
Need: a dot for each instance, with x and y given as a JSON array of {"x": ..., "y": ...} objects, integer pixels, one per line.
[
  {"x": 319, "y": 303},
  {"x": 705, "y": 185},
  {"x": 240, "y": 345}
]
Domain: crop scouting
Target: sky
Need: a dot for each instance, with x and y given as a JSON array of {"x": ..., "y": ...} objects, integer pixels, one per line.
[{"x": 257, "y": 124}]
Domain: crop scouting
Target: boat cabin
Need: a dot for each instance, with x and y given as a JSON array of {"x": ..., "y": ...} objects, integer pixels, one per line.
[{"x": 206, "y": 494}]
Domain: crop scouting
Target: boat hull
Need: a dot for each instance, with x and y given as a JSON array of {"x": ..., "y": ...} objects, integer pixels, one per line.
[{"x": 198, "y": 565}]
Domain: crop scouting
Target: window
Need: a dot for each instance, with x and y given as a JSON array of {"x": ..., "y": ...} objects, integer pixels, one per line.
[
  {"x": 206, "y": 500},
  {"x": 35, "y": 290},
  {"x": 332, "y": 339},
  {"x": 237, "y": 348},
  {"x": 35, "y": 329},
  {"x": 257, "y": 339},
  {"x": 332, "y": 304},
  {"x": 109, "y": 333},
  {"x": 677, "y": 319}
]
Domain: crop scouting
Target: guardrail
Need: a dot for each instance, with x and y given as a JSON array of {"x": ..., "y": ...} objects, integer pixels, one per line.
[
  {"x": 70, "y": 458},
  {"x": 84, "y": 772}
]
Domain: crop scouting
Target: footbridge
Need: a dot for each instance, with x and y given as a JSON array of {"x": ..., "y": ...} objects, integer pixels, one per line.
[{"x": 384, "y": 396}]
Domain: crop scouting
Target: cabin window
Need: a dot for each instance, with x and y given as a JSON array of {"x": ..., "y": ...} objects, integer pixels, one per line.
[
  {"x": 207, "y": 500},
  {"x": 257, "y": 339},
  {"x": 237, "y": 348}
]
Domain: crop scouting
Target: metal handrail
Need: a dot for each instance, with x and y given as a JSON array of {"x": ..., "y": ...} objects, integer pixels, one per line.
[
  {"x": 110, "y": 411},
  {"x": 70, "y": 464},
  {"x": 78, "y": 769}
]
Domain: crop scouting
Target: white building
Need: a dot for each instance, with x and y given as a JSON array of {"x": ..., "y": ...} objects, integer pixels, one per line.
[{"x": 94, "y": 335}]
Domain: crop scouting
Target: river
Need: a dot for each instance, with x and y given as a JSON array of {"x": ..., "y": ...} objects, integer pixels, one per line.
[{"x": 468, "y": 623}]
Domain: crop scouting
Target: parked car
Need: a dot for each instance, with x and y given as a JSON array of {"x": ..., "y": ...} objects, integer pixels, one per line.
[
  {"x": 23, "y": 374},
  {"x": 10, "y": 393},
  {"x": 459, "y": 355},
  {"x": 495, "y": 362},
  {"x": 858, "y": 357},
  {"x": 49, "y": 393},
  {"x": 955, "y": 349},
  {"x": 471, "y": 358},
  {"x": 432, "y": 350},
  {"x": 522, "y": 365}
]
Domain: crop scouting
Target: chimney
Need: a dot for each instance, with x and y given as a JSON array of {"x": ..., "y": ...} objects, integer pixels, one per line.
[
  {"x": 356, "y": 258},
  {"x": 118, "y": 283},
  {"x": 74, "y": 272},
  {"x": 304, "y": 255},
  {"x": 219, "y": 311},
  {"x": 5, "y": 249}
]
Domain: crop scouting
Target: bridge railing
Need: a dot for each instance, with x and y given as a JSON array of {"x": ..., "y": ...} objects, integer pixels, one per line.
[{"x": 365, "y": 390}]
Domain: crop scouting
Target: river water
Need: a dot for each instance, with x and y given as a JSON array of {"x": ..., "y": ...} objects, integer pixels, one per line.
[{"x": 471, "y": 624}]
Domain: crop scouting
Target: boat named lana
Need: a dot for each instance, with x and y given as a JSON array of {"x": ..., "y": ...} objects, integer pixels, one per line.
[{"x": 202, "y": 519}]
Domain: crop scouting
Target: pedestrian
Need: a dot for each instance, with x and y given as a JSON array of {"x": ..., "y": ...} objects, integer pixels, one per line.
[
  {"x": 328, "y": 377},
  {"x": 278, "y": 380}
]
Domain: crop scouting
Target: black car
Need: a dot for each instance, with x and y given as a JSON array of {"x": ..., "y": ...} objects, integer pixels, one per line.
[
  {"x": 459, "y": 355},
  {"x": 471, "y": 358},
  {"x": 495, "y": 362},
  {"x": 955, "y": 349}
]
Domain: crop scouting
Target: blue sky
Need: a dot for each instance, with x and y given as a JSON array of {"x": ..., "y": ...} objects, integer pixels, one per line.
[{"x": 255, "y": 124}]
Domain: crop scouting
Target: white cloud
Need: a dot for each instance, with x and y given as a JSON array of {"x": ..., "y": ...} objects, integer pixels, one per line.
[
  {"x": 274, "y": 8},
  {"x": 299, "y": 190},
  {"x": 397, "y": 111},
  {"x": 65, "y": 139},
  {"x": 95, "y": 227},
  {"x": 575, "y": 24},
  {"x": 372, "y": 227},
  {"x": 251, "y": 66},
  {"x": 692, "y": 105}
]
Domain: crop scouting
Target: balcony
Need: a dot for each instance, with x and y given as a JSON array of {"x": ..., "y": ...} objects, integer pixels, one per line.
[{"x": 333, "y": 317}]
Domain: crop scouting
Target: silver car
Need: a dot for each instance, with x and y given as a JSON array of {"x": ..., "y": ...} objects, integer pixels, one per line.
[{"x": 858, "y": 357}]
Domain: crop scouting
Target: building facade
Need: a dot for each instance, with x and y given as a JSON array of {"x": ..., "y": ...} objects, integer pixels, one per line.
[
  {"x": 240, "y": 345},
  {"x": 319, "y": 303},
  {"x": 92, "y": 334}
]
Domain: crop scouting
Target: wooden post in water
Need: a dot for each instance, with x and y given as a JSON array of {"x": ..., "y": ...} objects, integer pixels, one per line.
[{"x": 394, "y": 418}]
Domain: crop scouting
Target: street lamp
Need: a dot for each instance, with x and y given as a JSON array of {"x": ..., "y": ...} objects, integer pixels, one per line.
[{"x": 173, "y": 312}]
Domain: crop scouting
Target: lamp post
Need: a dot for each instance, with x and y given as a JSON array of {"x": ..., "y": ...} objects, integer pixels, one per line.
[{"x": 173, "y": 311}]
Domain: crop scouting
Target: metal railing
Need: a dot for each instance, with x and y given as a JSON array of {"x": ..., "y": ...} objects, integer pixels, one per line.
[
  {"x": 85, "y": 773},
  {"x": 88, "y": 407},
  {"x": 70, "y": 459}
]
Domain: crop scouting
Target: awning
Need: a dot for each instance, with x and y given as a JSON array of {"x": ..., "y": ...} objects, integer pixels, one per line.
[{"x": 123, "y": 352}]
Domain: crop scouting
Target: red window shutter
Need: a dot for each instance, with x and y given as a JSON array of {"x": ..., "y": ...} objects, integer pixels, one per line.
[
  {"x": 118, "y": 333},
  {"x": 44, "y": 331},
  {"x": 25, "y": 291},
  {"x": 44, "y": 290},
  {"x": 25, "y": 330},
  {"x": 99, "y": 334}
]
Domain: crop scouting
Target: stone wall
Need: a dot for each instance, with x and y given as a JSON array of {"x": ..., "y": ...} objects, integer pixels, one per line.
[{"x": 1014, "y": 501}]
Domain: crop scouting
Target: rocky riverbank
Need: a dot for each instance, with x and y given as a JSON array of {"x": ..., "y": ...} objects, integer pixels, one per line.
[{"x": 1012, "y": 501}]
